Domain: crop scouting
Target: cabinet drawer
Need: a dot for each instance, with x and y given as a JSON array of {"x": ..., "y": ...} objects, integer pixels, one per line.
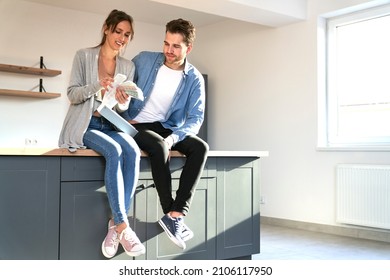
[{"x": 82, "y": 168}]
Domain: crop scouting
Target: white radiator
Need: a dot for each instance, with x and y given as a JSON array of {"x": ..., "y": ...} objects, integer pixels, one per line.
[{"x": 363, "y": 195}]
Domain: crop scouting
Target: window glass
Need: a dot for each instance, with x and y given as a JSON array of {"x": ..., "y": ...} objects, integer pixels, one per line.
[{"x": 358, "y": 79}]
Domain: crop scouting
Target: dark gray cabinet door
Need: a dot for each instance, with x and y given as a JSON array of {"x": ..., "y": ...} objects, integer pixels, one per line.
[
  {"x": 238, "y": 207},
  {"x": 201, "y": 220},
  {"x": 29, "y": 207},
  {"x": 84, "y": 217}
]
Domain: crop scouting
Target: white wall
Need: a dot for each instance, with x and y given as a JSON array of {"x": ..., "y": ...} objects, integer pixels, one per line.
[
  {"x": 262, "y": 94},
  {"x": 28, "y": 31}
]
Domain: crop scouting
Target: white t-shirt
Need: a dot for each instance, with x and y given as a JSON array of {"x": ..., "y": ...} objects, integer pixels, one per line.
[{"x": 161, "y": 98}]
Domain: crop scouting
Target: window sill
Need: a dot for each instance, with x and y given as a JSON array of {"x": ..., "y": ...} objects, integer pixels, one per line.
[{"x": 353, "y": 149}]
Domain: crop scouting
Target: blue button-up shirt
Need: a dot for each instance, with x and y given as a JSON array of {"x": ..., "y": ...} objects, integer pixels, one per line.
[{"x": 186, "y": 114}]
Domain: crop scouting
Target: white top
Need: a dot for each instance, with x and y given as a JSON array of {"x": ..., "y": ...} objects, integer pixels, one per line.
[{"x": 161, "y": 97}]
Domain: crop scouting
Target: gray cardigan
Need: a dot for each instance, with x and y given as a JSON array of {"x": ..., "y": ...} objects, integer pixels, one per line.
[{"x": 84, "y": 84}]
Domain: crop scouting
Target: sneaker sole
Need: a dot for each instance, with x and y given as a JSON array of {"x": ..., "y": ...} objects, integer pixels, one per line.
[
  {"x": 105, "y": 254},
  {"x": 134, "y": 254},
  {"x": 188, "y": 237},
  {"x": 104, "y": 251},
  {"x": 171, "y": 236}
]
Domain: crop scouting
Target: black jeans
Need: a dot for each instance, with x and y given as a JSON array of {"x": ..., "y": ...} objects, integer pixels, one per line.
[{"x": 150, "y": 139}]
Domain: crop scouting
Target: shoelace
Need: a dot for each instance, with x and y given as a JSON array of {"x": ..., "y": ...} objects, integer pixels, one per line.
[
  {"x": 114, "y": 237},
  {"x": 178, "y": 225},
  {"x": 127, "y": 235}
]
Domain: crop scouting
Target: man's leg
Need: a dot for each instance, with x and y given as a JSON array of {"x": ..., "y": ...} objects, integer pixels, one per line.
[
  {"x": 195, "y": 150},
  {"x": 149, "y": 140}
]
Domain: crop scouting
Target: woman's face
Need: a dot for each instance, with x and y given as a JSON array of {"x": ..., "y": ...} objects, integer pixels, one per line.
[{"x": 119, "y": 37}]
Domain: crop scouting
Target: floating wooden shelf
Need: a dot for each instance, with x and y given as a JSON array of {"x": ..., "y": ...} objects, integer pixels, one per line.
[
  {"x": 42, "y": 71},
  {"x": 29, "y": 70},
  {"x": 33, "y": 94}
]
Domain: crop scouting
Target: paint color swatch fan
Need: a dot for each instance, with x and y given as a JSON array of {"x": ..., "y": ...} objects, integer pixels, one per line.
[{"x": 109, "y": 102}]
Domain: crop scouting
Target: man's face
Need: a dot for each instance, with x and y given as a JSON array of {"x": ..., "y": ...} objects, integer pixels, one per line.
[{"x": 175, "y": 50}]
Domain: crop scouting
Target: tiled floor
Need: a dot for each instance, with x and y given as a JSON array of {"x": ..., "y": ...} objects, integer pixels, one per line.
[{"x": 281, "y": 243}]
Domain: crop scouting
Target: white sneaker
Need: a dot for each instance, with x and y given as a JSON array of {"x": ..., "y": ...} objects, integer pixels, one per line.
[{"x": 186, "y": 233}]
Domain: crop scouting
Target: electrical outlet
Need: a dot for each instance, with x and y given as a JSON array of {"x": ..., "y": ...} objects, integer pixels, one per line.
[{"x": 30, "y": 142}]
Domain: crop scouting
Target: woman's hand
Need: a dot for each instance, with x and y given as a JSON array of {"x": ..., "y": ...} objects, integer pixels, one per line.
[{"x": 106, "y": 82}]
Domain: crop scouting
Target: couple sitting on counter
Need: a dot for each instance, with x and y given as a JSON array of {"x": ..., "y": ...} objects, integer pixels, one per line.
[{"x": 168, "y": 118}]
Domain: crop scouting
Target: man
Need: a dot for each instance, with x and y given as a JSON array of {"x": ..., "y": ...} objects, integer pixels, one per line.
[{"x": 169, "y": 118}]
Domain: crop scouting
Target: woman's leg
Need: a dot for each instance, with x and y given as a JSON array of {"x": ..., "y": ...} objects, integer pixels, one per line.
[
  {"x": 130, "y": 158},
  {"x": 121, "y": 174},
  {"x": 113, "y": 177}
]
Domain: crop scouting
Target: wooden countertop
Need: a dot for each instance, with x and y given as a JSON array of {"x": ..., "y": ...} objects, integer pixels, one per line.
[{"x": 89, "y": 152}]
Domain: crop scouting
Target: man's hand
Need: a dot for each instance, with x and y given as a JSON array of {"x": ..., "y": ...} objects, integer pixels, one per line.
[
  {"x": 121, "y": 96},
  {"x": 169, "y": 141}
]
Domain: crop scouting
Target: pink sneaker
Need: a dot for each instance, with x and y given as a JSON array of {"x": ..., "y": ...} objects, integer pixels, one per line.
[
  {"x": 130, "y": 243},
  {"x": 110, "y": 243}
]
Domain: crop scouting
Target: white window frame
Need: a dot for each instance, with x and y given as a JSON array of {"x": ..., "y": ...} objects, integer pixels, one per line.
[{"x": 326, "y": 101}]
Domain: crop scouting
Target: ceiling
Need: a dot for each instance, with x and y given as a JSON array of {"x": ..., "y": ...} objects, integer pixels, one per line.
[{"x": 272, "y": 13}]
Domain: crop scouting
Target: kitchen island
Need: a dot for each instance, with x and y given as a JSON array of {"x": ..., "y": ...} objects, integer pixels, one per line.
[{"x": 53, "y": 205}]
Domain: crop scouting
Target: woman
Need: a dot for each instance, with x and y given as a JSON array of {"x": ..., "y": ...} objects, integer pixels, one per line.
[{"x": 92, "y": 74}]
